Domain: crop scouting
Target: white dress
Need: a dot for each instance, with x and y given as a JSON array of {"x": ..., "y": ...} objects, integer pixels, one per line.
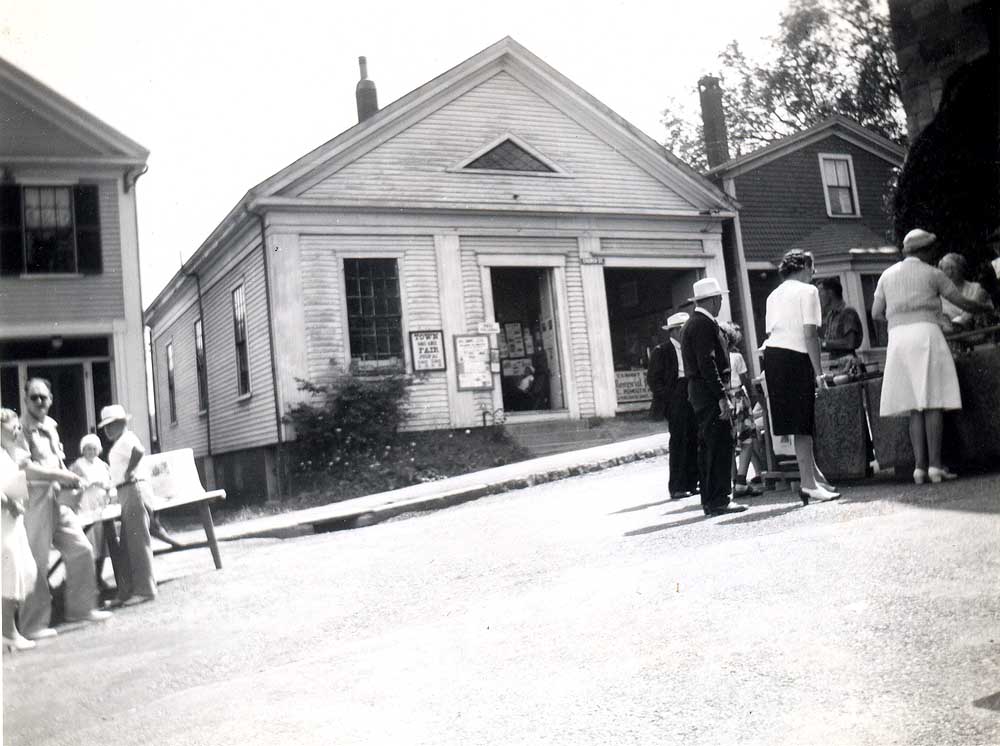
[{"x": 19, "y": 570}]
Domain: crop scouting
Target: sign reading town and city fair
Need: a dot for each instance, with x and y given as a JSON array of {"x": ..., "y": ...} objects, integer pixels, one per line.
[
  {"x": 630, "y": 385},
  {"x": 427, "y": 350},
  {"x": 472, "y": 362}
]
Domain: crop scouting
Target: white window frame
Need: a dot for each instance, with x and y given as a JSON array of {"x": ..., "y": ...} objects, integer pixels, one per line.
[
  {"x": 199, "y": 324},
  {"x": 556, "y": 172},
  {"x": 854, "y": 184},
  {"x": 246, "y": 323},
  {"x": 375, "y": 253},
  {"x": 171, "y": 366}
]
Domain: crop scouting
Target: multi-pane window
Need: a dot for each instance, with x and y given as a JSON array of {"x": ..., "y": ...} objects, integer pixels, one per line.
[
  {"x": 199, "y": 362},
  {"x": 171, "y": 391},
  {"x": 878, "y": 331},
  {"x": 374, "y": 312},
  {"x": 240, "y": 336},
  {"x": 509, "y": 156},
  {"x": 841, "y": 197},
  {"x": 50, "y": 229}
]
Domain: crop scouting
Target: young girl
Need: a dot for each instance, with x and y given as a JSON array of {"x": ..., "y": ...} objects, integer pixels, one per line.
[
  {"x": 97, "y": 492},
  {"x": 746, "y": 429},
  {"x": 19, "y": 568}
]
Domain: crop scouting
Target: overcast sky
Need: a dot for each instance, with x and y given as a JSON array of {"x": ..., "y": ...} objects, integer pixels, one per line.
[{"x": 224, "y": 94}]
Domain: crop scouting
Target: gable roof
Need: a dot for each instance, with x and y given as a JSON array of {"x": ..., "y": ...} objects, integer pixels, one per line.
[
  {"x": 283, "y": 188},
  {"x": 839, "y": 125},
  {"x": 99, "y": 141}
]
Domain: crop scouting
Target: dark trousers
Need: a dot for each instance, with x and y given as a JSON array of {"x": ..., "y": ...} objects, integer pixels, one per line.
[
  {"x": 715, "y": 458},
  {"x": 683, "y": 443}
]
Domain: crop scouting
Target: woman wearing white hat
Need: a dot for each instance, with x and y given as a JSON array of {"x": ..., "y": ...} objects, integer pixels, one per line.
[{"x": 920, "y": 379}]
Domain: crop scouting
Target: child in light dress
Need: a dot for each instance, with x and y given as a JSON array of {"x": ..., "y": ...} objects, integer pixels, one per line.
[{"x": 96, "y": 492}]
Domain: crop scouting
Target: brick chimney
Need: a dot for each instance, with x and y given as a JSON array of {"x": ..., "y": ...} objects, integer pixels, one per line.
[
  {"x": 365, "y": 93},
  {"x": 714, "y": 120}
]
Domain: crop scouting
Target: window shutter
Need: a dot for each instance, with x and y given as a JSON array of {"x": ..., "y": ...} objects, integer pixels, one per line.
[
  {"x": 86, "y": 208},
  {"x": 11, "y": 235}
]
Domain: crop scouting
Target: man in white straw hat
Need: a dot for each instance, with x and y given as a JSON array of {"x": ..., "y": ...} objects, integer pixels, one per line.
[
  {"x": 669, "y": 386},
  {"x": 706, "y": 363},
  {"x": 135, "y": 572}
]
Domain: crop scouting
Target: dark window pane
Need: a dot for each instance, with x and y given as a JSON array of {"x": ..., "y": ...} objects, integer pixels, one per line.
[
  {"x": 509, "y": 156},
  {"x": 11, "y": 236}
]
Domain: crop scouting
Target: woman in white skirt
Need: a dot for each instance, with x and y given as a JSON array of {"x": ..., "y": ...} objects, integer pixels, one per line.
[{"x": 920, "y": 380}]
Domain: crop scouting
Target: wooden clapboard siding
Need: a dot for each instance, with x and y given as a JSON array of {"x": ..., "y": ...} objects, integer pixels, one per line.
[
  {"x": 414, "y": 165},
  {"x": 472, "y": 292},
  {"x": 191, "y": 428},
  {"x": 248, "y": 422},
  {"x": 326, "y": 329},
  {"x": 647, "y": 246},
  {"x": 579, "y": 340},
  {"x": 84, "y": 298}
]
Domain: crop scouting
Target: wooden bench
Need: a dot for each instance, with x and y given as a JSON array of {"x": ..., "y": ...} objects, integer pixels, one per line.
[{"x": 175, "y": 484}]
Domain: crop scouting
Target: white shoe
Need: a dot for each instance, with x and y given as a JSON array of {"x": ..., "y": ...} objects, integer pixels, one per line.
[
  {"x": 17, "y": 643},
  {"x": 95, "y": 615},
  {"x": 919, "y": 476},
  {"x": 940, "y": 475},
  {"x": 44, "y": 633}
]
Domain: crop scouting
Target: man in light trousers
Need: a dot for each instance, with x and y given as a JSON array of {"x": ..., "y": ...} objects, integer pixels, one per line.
[{"x": 49, "y": 524}]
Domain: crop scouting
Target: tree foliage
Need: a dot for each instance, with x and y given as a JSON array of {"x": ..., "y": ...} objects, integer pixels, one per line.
[{"x": 827, "y": 57}]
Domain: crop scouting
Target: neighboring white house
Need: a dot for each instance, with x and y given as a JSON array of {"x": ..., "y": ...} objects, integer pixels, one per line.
[
  {"x": 70, "y": 307},
  {"x": 497, "y": 195}
]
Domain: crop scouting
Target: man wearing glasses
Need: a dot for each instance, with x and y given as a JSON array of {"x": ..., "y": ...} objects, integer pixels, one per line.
[{"x": 50, "y": 524}]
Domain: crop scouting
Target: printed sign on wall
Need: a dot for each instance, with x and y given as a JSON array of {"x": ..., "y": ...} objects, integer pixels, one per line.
[
  {"x": 472, "y": 362},
  {"x": 630, "y": 385},
  {"x": 427, "y": 350}
]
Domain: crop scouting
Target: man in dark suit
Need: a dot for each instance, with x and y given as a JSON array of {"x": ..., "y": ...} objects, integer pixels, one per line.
[
  {"x": 670, "y": 399},
  {"x": 706, "y": 364}
]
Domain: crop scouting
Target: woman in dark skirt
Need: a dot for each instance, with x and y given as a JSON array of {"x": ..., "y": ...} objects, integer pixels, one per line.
[{"x": 792, "y": 366}]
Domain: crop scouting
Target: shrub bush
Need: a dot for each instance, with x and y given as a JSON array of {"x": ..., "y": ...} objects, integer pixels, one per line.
[{"x": 348, "y": 423}]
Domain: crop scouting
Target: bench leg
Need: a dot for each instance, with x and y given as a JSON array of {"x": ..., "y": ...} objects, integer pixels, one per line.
[{"x": 206, "y": 521}]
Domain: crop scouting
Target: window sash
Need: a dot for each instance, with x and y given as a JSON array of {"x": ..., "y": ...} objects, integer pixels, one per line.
[
  {"x": 240, "y": 338},
  {"x": 374, "y": 310},
  {"x": 49, "y": 230},
  {"x": 839, "y": 189},
  {"x": 171, "y": 391},
  {"x": 199, "y": 362}
]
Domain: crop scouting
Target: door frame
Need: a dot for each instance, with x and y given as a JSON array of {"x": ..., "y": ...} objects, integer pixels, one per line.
[
  {"x": 88, "y": 379},
  {"x": 557, "y": 264}
]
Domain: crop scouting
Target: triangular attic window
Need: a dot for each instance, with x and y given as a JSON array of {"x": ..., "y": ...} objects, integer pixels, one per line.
[{"x": 509, "y": 156}]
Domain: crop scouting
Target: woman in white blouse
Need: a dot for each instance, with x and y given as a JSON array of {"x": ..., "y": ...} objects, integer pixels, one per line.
[
  {"x": 920, "y": 379},
  {"x": 792, "y": 366}
]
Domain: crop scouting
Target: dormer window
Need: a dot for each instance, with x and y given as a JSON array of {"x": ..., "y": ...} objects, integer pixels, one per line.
[
  {"x": 509, "y": 154},
  {"x": 839, "y": 186}
]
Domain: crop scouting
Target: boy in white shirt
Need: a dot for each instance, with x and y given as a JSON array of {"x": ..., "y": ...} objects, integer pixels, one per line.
[{"x": 130, "y": 479}]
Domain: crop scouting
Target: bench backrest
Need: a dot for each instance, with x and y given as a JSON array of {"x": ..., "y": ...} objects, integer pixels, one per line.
[{"x": 172, "y": 475}]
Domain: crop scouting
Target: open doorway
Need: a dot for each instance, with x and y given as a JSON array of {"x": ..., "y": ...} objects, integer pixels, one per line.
[
  {"x": 639, "y": 300},
  {"x": 531, "y": 367}
]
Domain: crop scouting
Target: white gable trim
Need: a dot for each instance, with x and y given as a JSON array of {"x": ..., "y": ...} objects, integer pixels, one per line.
[
  {"x": 510, "y": 57},
  {"x": 69, "y": 117},
  {"x": 856, "y": 136},
  {"x": 557, "y": 170}
]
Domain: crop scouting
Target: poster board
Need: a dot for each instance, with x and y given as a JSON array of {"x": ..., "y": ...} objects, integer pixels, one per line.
[
  {"x": 515, "y": 339},
  {"x": 427, "y": 350},
  {"x": 630, "y": 386},
  {"x": 472, "y": 362}
]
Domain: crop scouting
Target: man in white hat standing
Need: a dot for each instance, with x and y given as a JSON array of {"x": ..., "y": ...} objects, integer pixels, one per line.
[
  {"x": 706, "y": 364},
  {"x": 670, "y": 399},
  {"x": 50, "y": 524},
  {"x": 135, "y": 573}
]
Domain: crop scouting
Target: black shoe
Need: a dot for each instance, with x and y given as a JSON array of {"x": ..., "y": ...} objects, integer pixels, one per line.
[
  {"x": 731, "y": 508},
  {"x": 679, "y": 495}
]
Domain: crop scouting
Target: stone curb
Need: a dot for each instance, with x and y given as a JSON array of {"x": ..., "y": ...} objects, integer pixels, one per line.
[{"x": 467, "y": 494}]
